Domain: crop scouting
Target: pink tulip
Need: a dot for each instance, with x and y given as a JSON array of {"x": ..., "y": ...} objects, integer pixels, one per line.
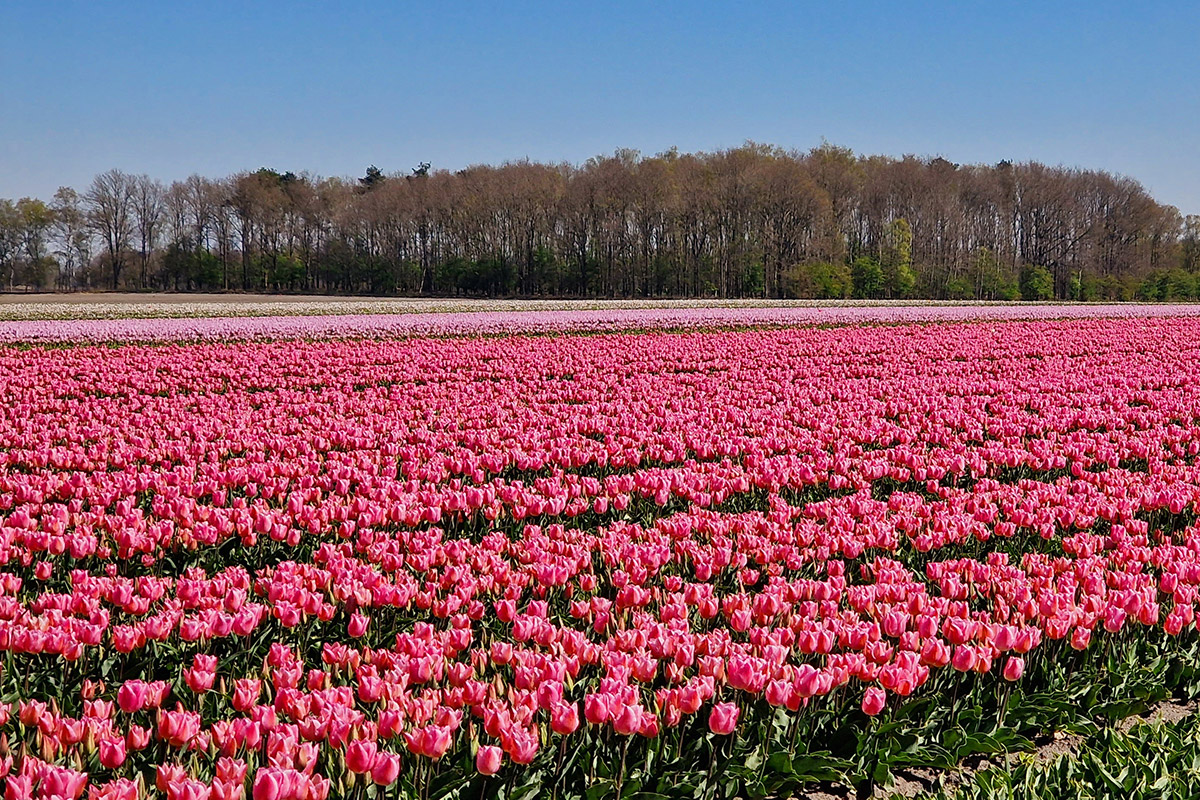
[
  {"x": 360, "y": 756},
  {"x": 166, "y": 774},
  {"x": 18, "y": 787},
  {"x": 722, "y": 720},
  {"x": 226, "y": 790},
  {"x": 137, "y": 737},
  {"x": 873, "y": 701},
  {"x": 358, "y": 624},
  {"x": 199, "y": 682},
  {"x": 112, "y": 752},
  {"x": 386, "y": 769},
  {"x": 246, "y": 693},
  {"x": 267, "y": 785},
  {"x": 488, "y": 759},
  {"x": 564, "y": 718},
  {"x": 132, "y": 696},
  {"x": 597, "y": 709}
]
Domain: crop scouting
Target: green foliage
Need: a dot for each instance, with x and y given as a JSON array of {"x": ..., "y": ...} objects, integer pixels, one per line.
[
  {"x": 1107, "y": 287},
  {"x": 36, "y": 219},
  {"x": 867, "y": 277},
  {"x": 1036, "y": 283},
  {"x": 995, "y": 282},
  {"x": 1167, "y": 286},
  {"x": 752, "y": 279},
  {"x": 285, "y": 271},
  {"x": 190, "y": 268},
  {"x": 960, "y": 288},
  {"x": 1000, "y": 288},
  {"x": 543, "y": 271},
  {"x": 1089, "y": 289},
  {"x": 897, "y": 261},
  {"x": 903, "y": 281},
  {"x": 1075, "y": 288},
  {"x": 1180, "y": 285},
  {"x": 488, "y": 277},
  {"x": 820, "y": 280},
  {"x": 1150, "y": 760},
  {"x": 37, "y": 273},
  {"x": 272, "y": 177}
]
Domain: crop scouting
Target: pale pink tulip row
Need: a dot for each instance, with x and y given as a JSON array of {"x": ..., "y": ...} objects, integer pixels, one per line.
[{"x": 543, "y": 322}]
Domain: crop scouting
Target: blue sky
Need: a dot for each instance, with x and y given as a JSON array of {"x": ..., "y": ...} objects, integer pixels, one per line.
[{"x": 173, "y": 88}]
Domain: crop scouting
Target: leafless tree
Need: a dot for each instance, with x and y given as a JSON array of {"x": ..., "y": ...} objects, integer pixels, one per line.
[
  {"x": 110, "y": 207},
  {"x": 148, "y": 208},
  {"x": 72, "y": 236}
]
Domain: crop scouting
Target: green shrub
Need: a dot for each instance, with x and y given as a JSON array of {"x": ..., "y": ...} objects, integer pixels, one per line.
[
  {"x": 867, "y": 277},
  {"x": 1036, "y": 283},
  {"x": 820, "y": 280}
]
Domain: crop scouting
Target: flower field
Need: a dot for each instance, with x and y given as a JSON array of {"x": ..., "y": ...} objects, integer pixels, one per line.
[{"x": 751, "y": 562}]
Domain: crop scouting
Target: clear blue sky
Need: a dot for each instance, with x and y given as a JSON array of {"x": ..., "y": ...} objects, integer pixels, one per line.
[{"x": 172, "y": 88}]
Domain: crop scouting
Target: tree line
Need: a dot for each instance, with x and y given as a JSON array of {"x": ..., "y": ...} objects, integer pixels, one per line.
[{"x": 751, "y": 221}]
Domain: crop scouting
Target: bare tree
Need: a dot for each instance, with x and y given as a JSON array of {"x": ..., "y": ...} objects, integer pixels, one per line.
[
  {"x": 110, "y": 207},
  {"x": 149, "y": 208},
  {"x": 10, "y": 240},
  {"x": 73, "y": 236},
  {"x": 222, "y": 225}
]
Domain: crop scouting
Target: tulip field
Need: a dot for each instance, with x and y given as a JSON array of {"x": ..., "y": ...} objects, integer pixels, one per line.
[{"x": 762, "y": 560}]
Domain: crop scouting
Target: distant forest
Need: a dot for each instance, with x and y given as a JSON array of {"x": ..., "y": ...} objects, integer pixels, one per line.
[{"x": 754, "y": 221}]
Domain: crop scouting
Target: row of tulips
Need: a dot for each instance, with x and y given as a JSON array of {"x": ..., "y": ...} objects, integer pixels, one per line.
[
  {"x": 299, "y": 568},
  {"x": 101, "y": 323}
]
